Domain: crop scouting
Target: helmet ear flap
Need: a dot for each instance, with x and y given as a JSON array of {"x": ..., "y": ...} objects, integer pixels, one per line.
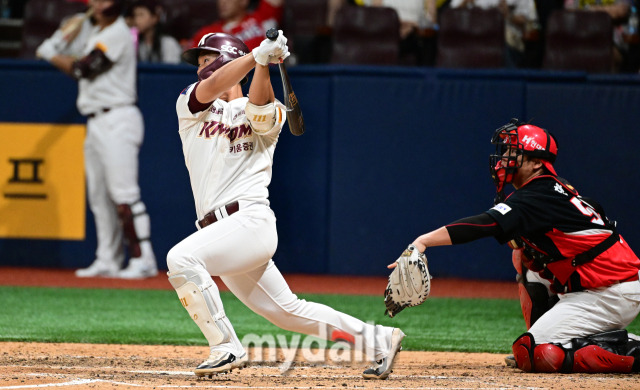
[{"x": 208, "y": 70}]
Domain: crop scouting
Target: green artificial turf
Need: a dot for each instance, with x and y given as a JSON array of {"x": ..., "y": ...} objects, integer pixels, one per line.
[{"x": 156, "y": 317}]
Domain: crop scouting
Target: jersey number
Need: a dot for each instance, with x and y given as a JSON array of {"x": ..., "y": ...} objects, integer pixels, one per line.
[{"x": 587, "y": 210}]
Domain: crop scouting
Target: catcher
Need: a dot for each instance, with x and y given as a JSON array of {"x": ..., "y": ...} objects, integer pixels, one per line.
[{"x": 578, "y": 278}]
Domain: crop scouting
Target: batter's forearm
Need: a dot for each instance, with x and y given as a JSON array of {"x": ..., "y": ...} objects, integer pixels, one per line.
[
  {"x": 63, "y": 62},
  {"x": 225, "y": 78},
  {"x": 438, "y": 237},
  {"x": 261, "y": 91}
]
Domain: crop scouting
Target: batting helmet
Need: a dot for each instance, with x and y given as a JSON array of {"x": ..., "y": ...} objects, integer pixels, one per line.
[
  {"x": 227, "y": 46},
  {"x": 526, "y": 140}
]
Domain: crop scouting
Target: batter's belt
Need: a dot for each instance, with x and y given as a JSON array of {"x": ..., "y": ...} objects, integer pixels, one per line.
[{"x": 216, "y": 215}]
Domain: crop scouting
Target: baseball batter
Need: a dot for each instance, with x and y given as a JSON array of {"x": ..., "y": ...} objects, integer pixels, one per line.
[
  {"x": 565, "y": 247},
  {"x": 228, "y": 142},
  {"x": 104, "y": 64}
]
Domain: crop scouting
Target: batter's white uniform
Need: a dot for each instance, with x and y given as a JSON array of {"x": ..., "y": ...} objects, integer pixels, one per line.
[
  {"x": 228, "y": 162},
  {"x": 115, "y": 132}
]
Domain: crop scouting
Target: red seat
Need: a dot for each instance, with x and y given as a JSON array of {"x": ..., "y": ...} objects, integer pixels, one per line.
[
  {"x": 579, "y": 40},
  {"x": 366, "y": 35},
  {"x": 471, "y": 38}
]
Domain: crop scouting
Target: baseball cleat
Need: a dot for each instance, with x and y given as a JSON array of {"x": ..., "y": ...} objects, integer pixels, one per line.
[
  {"x": 382, "y": 368},
  {"x": 219, "y": 363},
  {"x": 139, "y": 269},
  {"x": 98, "y": 268},
  {"x": 510, "y": 361}
]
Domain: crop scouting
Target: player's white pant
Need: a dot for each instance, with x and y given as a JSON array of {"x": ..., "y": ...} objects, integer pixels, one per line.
[
  {"x": 586, "y": 313},
  {"x": 239, "y": 249},
  {"x": 111, "y": 164}
]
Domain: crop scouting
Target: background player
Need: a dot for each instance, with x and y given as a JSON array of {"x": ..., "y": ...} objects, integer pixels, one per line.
[
  {"x": 228, "y": 142},
  {"x": 565, "y": 245},
  {"x": 105, "y": 67}
]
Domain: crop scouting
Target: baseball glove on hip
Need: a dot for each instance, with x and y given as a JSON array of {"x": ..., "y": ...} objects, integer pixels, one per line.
[{"x": 409, "y": 283}]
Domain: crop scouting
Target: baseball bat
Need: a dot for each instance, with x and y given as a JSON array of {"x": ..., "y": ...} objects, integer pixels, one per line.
[
  {"x": 294, "y": 113},
  {"x": 73, "y": 25}
]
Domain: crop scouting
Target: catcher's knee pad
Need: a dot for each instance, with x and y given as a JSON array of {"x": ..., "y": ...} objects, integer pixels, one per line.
[
  {"x": 537, "y": 358},
  {"x": 193, "y": 290},
  {"x": 135, "y": 225}
]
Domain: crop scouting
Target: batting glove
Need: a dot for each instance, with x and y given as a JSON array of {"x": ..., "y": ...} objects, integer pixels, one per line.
[{"x": 271, "y": 51}]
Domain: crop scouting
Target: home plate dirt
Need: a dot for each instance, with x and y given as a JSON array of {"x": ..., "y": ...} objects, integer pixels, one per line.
[{"x": 99, "y": 366}]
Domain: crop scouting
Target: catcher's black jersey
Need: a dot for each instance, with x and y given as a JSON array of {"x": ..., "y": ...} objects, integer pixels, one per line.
[{"x": 552, "y": 218}]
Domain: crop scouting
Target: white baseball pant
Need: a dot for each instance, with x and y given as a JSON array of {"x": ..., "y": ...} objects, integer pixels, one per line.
[
  {"x": 239, "y": 250},
  {"x": 111, "y": 164},
  {"x": 585, "y": 313}
]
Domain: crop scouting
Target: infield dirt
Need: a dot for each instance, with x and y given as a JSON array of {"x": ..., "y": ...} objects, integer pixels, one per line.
[{"x": 99, "y": 366}]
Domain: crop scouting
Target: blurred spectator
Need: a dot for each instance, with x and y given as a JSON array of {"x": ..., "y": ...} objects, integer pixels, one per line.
[
  {"x": 237, "y": 19},
  {"x": 153, "y": 44},
  {"x": 619, "y": 11},
  {"x": 418, "y": 20},
  {"x": 413, "y": 14},
  {"x": 521, "y": 22}
]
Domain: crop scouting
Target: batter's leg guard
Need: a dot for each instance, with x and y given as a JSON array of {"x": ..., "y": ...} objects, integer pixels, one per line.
[
  {"x": 199, "y": 295},
  {"x": 135, "y": 226}
]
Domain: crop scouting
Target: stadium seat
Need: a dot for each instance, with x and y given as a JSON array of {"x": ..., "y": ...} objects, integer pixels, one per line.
[
  {"x": 366, "y": 35},
  {"x": 471, "y": 38},
  {"x": 579, "y": 40},
  {"x": 184, "y": 18},
  {"x": 41, "y": 19},
  {"x": 305, "y": 23}
]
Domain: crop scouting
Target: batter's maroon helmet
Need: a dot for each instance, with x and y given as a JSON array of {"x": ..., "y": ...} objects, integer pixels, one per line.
[
  {"x": 527, "y": 140},
  {"x": 227, "y": 46}
]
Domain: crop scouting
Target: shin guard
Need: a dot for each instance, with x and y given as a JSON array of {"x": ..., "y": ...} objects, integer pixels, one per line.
[
  {"x": 135, "y": 226},
  {"x": 537, "y": 358},
  {"x": 205, "y": 310},
  {"x": 594, "y": 359}
]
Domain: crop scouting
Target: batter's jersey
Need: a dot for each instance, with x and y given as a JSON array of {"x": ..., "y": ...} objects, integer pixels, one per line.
[
  {"x": 226, "y": 160},
  {"x": 116, "y": 86},
  {"x": 552, "y": 218}
]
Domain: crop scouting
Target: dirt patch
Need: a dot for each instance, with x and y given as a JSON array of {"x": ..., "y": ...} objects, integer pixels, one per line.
[
  {"x": 90, "y": 366},
  {"x": 311, "y": 284}
]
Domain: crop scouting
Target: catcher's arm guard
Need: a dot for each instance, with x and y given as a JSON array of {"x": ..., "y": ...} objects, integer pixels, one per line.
[{"x": 409, "y": 283}]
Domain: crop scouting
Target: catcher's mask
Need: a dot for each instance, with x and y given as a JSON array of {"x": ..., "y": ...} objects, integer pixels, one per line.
[
  {"x": 526, "y": 140},
  {"x": 228, "y": 48}
]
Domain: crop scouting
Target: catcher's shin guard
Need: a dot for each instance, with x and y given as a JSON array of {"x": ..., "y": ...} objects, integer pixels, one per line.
[
  {"x": 609, "y": 352},
  {"x": 136, "y": 226},
  {"x": 537, "y": 358},
  {"x": 204, "y": 306},
  {"x": 534, "y": 297}
]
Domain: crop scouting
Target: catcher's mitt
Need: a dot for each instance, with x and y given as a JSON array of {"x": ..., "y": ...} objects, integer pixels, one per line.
[{"x": 409, "y": 283}]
